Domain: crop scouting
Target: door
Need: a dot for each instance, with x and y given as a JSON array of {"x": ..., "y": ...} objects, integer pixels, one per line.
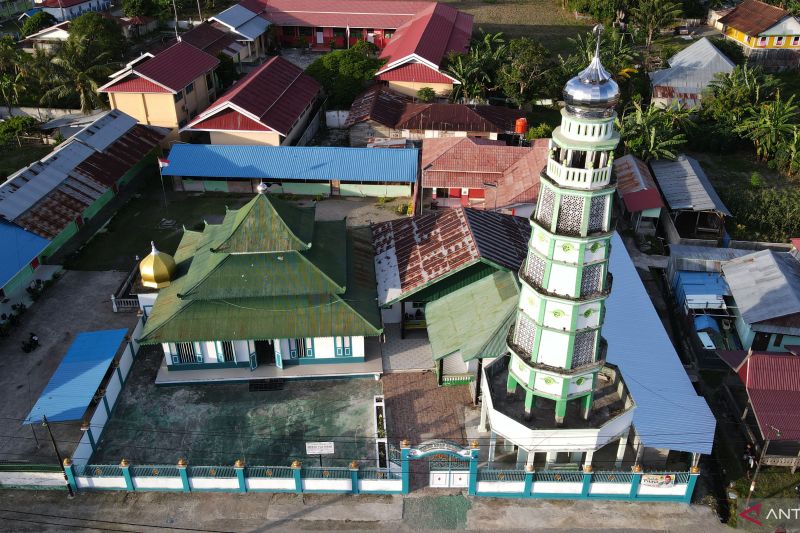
[
  {"x": 253, "y": 360},
  {"x": 265, "y": 353},
  {"x": 278, "y": 356},
  {"x": 320, "y": 38}
]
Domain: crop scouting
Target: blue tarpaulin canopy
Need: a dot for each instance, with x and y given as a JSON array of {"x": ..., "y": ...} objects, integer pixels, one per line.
[{"x": 78, "y": 377}]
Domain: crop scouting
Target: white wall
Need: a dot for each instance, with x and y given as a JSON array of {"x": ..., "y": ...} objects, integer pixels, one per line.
[
  {"x": 368, "y": 485},
  {"x": 556, "y": 487},
  {"x": 391, "y": 315},
  {"x": 37, "y": 479},
  {"x": 327, "y": 484},
  {"x": 100, "y": 482},
  {"x": 158, "y": 483},
  {"x": 213, "y": 483},
  {"x": 500, "y": 486}
]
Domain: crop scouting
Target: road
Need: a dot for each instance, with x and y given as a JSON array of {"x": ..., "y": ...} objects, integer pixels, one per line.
[{"x": 150, "y": 512}]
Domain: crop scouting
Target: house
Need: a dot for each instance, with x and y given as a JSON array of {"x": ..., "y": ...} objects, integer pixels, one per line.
[
  {"x": 136, "y": 27},
  {"x": 695, "y": 209},
  {"x": 69, "y": 9},
  {"x": 415, "y": 54},
  {"x": 640, "y": 200},
  {"x": 421, "y": 259},
  {"x": 268, "y": 293},
  {"x": 54, "y": 197},
  {"x": 47, "y": 39},
  {"x": 302, "y": 170},
  {"x": 459, "y": 171},
  {"x": 20, "y": 258},
  {"x": 214, "y": 41},
  {"x": 246, "y": 22},
  {"x": 768, "y": 34},
  {"x": 690, "y": 73},
  {"x": 766, "y": 288},
  {"x": 272, "y": 106},
  {"x": 165, "y": 90},
  {"x": 380, "y": 113},
  {"x": 772, "y": 383}
]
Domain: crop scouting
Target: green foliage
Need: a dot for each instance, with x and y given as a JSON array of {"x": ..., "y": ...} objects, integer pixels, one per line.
[
  {"x": 139, "y": 8},
  {"x": 764, "y": 214},
  {"x": 426, "y": 94},
  {"x": 654, "y": 132},
  {"x": 226, "y": 71},
  {"x": 793, "y": 6},
  {"x": 730, "y": 48},
  {"x": 97, "y": 35},
  {"x": 13, "y": 128},
  {"x": 345, "y": 73},
  {"x": 541, "y": 131},
  {"x": 37, "y": 22},
  {"x": 651, "y": 16},
  {"x": 477, "y": 70},
  {"x": 769, "y": 124},
  {"x": 526, "y": 63},
  {"x": 75, "y": 73},
  {"x": 756, "y": 180},
  {"x": 602, "y": 10},
  {"x": 10, "y": 88}
]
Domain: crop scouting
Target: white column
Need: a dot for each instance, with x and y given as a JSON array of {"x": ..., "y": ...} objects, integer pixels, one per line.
[
  {"x": 492, "y": 444},
  {"x": 483, "y": 427},
  {"x": 587, "y": 461},
  {"x": 552, "y": 457},
  {"x": 623, "y": 444}
]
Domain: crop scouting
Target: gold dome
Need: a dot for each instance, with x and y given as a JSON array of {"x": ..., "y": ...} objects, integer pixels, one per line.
[{"x": 157, "y": 269}]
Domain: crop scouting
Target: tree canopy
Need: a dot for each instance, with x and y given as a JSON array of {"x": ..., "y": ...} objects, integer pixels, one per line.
[
  {"x": 345, "y": 73},
  {"x": 139, "y": 8},
  {"x": 98, "y": 35},
  {"x": 526, "y": 64},
  {"x": 37, "y": 22}
]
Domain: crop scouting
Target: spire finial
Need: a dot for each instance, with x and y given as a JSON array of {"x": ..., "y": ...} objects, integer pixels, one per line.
[
  {"x": 153, "y": 246},
  {"x": 261, "y": 188},
  {"x": 598, "y": 32}
]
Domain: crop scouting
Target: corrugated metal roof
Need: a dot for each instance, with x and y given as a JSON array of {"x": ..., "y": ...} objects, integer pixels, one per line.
[
  {"x": 177, "y": 66},
  {"x": 669, "y": 413},
  {"x": 500, "y": 238},
  {"x": 765, "y": 285},
  {"x": 692, "y": 69},
  {"x": 76, "y": 380},
  {"x": 414, "y": 73},
  {"x": 635, "y": 184},
  {"x": 378, "y": 103},
  {"x": 212, "y": 40},
  {"x": 307, "y": 163},
  {"x": 20, "y": 247},
  {"x": 753, "y": 17},
  {"x": 378, "y": 14},
  {"x": 243, "y": 21},
  {"x": 686, "y": 187},
  {"x": 133, "y": 84},
  {"x": 451, "y": 329},
  {"x": 104, "y": 131},
  {"x": 772, "y": 381}
]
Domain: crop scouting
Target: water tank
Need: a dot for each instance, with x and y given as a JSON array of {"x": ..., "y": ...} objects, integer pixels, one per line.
[{"x": 521, "y": 126}]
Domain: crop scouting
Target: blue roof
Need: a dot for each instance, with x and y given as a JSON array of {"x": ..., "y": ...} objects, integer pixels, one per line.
[
  {"x": 669, "y": 413},
  {"x": 77, "y": 378},
  {"x": 20, "y": 247},
  {"x": 306, "y": 163},
  {"x": 702, "y": 283}
]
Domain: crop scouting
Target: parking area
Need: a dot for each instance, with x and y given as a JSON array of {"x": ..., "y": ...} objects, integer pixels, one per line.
[
  {"x": 216, "y": 424},
  {"x": 77, "y": 302}
]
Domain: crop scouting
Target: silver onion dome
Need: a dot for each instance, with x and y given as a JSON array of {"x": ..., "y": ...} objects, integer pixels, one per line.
[{"x": 592, "y": 93}]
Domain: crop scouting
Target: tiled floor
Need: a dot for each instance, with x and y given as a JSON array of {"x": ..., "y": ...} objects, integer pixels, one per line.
[{"x": 403, "y": 355}]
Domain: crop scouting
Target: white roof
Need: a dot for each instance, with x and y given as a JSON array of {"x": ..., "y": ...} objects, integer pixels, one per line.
[
  {"x": 765, "y": 285},
  {"x": 242, "y": 21},
  {"x": 669, "y": 413},
  {"x": 685, "y": 185},
  {"x": 693, "y": 67}
]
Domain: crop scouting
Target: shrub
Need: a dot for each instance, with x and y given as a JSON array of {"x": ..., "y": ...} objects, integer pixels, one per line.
[{"x": 426, "y": 94}]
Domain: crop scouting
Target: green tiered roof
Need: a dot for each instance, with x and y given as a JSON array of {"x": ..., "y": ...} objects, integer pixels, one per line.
[{"x": 268, "y": 271}]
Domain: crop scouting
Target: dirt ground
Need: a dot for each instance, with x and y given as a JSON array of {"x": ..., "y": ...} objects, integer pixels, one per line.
[{"x": 78, "y": 302}]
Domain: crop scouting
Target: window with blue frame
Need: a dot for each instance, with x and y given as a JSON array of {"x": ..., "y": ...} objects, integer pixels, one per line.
[
  {"x": 343, "y": 346},
  {"x": 225, "y": 353},
  {"x": 185, "y": 352},
  {"x": 308, "y": 347},
  {"x": 293, "y": 348}
]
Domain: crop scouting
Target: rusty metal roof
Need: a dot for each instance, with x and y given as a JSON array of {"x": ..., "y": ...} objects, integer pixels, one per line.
[
  {"x": 636, "y": 185},
  {"x": 753, "y": 17},
  {"x": 772, "y": 381},
  {"x": 378, "y": 103}
]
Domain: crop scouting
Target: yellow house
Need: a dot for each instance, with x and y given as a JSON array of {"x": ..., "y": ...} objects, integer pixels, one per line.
[
  {"x": 168, "y": 89},
  {"x": 768, "y": 34},
  {"x": 272, "y": 106}
]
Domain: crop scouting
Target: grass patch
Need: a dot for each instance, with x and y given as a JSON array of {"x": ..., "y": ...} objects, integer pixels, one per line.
[
  {"x": 542, "y": 114},
  {"x": 13, "y": 158},
  {"x": 436, "y": 512}
]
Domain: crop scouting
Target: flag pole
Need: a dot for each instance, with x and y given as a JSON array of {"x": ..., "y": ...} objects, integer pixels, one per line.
[{"x": 161, "y": 164}]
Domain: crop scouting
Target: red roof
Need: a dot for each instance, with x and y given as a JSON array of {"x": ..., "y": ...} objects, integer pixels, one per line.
[
  {"x": 377, "y": 14},
  {"x": 212, "y": 40},
  {"x": 414, "y": 72},
  {"x": 753, "y": 17},
  {"x": 520, "y": 182},
  {"x": 62, "y": 3},
  {"x": 458, "y": 117},
  {"x": 274, "y": 95},
  {"x": 431, "y": 35},
  {"x": 796, "y": 243},
  {"x": 636, "y": 185},
  {"x": 772, "y": 381},
  {"x": 134, "y": 84},
  {"x": 177, "y": 66}
]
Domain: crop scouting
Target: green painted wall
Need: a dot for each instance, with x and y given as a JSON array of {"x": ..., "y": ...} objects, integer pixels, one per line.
[
  {"x": 388, "y": 191},
  {"x": 20, "y": 279},
  {"x": 307, "y": 189},
  {"x": 98, "y": 204},
  {"x": 147, "y": 161},
  {"x": 59, "y": 240},
  {"x": 215, "y": 186}
]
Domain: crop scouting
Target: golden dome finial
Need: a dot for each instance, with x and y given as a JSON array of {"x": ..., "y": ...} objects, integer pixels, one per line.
[{"x": 156, "y": 269}]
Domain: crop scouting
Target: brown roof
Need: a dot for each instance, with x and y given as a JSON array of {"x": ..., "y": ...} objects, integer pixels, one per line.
[
  {"x": 377, "y": 103},
  {"x": 212, "y": 40},
  {"x": 753, "y": 17},
  {"x": 520, "y": 182}
]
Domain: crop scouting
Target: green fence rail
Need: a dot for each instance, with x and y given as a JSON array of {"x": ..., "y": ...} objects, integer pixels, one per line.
[
  {"x": 154, "y": 471},
  {"x": 268, "y": 471},
  {"x": 326, "y": 473},
  {"x": 559, "y": 477},
  {"x": 612, "y": 477},
  {"x": 374, "y": 473},
  {"x": 212, "y": 471},
  {"x": 23, "y": 467},
  {"x": 102, "y": 471},
  {"x": 501, "y": 475}
]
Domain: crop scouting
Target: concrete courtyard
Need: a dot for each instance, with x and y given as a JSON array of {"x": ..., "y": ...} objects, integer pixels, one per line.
[
  {"x": 216, "y": 424},
  {"x": 77, "y": 302}
]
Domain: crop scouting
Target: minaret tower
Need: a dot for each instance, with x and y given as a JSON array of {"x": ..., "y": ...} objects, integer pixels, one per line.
[{"x": 555, "y": 343}]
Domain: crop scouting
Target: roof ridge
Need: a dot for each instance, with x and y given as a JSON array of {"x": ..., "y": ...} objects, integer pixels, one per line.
[{"x": 272, "y": 211}]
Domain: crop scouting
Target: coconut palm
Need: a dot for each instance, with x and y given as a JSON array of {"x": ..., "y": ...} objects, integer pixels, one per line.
[
  {"x": 76, "y": 75},
  {"x": 770, "y": 124},
  {"x": 651, "y": 16}
]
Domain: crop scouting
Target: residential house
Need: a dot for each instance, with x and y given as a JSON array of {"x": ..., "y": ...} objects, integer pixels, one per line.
[
  {"x": 640, "y": 201},
  {"x": 302, "y": 170},
  {"x": 695, "y": 209},
  {"x": 69, "y": 9},
  {"x": 272, "y": 106},
  {"x": 167, "y": 89},
  {"x": 482, "y": 173},
  {"x": 21, "y": 257},
  {"x": 214, "y": 41},
  {"x": 220, "y": 318},
  {"x": 689, "y": 75},
  {"x": 247, "y": 23},
  {"x": 419, "y": 260},
  {"x": 380, "y": 113},
  {"x": 415, "y": 54},
  {"x": 47, "y": 39},
  {"x": 768, "y": 34},
  {"x": 766, "y": 288},
  {"x": 772, "y": 385},
  {"x": 136, "y": 27},
  {"x": 54, "y": 197}
]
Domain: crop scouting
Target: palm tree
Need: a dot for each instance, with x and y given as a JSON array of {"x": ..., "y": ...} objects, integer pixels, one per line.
[
  {"x": 652, "y": 133},
  {"x": 468, "y": 74},
  {"x": 75, "y": 75},
  {"x": 653, "y": 15},
  {"x": 10, "y": 55},
  {"x": 732, "y": 95},
  {"x": 10, "y": 87},
  {"x": 769, "y": 125},
  {"x": 616, "y": 53}
]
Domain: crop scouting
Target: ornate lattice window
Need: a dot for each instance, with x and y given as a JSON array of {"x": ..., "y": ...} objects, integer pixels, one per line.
[
  {"x": 534, "y": 269},
  {"x": 583, "y": 352},
  {"x": 525, "y": 333},
  {"x": 597, "y": 214},
  {"x": 592, "y": 279},
  {"x": 546, "y": 201},
  {"x": 570, "y": 214}
]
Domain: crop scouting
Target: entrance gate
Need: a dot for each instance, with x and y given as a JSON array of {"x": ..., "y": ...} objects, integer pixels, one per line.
[{"x": 449, "y": 465}]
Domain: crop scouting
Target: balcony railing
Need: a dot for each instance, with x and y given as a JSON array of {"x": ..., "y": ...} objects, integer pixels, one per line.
[
  {"x": 578, "y": 177},
  {"x": 603, "y": 293}
]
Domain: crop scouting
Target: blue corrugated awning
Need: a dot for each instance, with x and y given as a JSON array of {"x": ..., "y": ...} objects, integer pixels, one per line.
[
  {"x": 20, "y": 247},
  {"x": 669, "y": 413},
  {"x": 77, "y": 378},
  {"x": 303, "y": 163},
  {"x": 702, "y": 283}
]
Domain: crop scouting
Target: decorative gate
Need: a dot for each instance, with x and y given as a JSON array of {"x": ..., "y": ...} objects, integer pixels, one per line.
[
  {"x": 449, "y": 465},
  {"x": 446, "y": 472}
]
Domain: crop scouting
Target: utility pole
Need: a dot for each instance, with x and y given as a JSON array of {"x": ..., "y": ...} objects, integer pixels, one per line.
[
  {"x": 758, "y": 466},
  {"x": 58, "y": 455}
]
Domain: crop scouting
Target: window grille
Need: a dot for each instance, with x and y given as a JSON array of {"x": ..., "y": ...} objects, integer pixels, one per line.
[
  {"x": 570, "y": 214},
  {"x": 597, "y": 214},
  {"x": 546, "y": 202},
  {"x": 592, "y": 280},
  {"x": 525, "y": 333},
  {"x": 534, "y": 269},
  {"x": 583, "y": 351}
]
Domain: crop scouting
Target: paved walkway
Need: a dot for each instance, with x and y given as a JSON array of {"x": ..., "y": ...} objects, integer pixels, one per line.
[{"x": 412, "y": 354}]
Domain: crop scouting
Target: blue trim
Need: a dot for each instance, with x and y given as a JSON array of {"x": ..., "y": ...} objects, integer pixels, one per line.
[
  {"x": 119, "y": 375},
  {"x": 690, "y": 488},
  {"x": 298, "y": 479},
  {"x": 473, "y": 472},
  {"x": 126, "y": 473},
  {"x": 323, "y": 361},
  {"x": 202, "y": 366},
  {"x": 91, "y": 439},
  {"x": 69, "y": 471},
  {"x": 404, "y": 474},
  {"x": 354, "y": 480},
  {"x": 528, "y": 484},
  {"x": 241, "y": 478},
  {"x": 636, "y": 478},
  {"x": 183, "y": 472},
  {"x": 105, "y": 404},
  {"x": 587, "y": 483}
]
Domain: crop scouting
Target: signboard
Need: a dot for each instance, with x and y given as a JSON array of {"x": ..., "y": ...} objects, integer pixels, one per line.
[
  {"x": 658, "y": 480},
  {"x": 319, "y": 448}
]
